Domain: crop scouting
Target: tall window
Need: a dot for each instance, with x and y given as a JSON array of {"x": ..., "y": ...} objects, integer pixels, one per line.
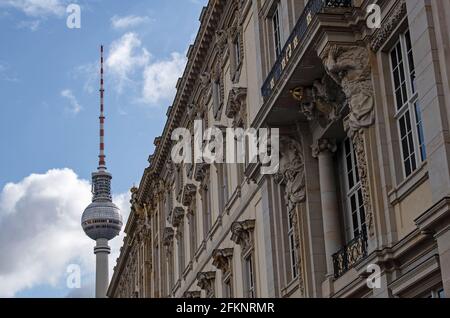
[
  {"x": 180, "y": 242},
  {"x": 293, "y": 252},
  {"x": 169, "y": 203},
  {"x": 356, "y": 219},
  {"x": 228, "y": 286},
  {"x": 217, "y": 96},
  {"x": 206, "y": 211},
  {"x": 408, "y": 112},
  {"x": 223, "y": 185},
  {"x": 276, "y": 29},
  {"x": 237, "y": 50},
  {"x": 249, "y": 277},
  {"x": 193, "y": 232}
]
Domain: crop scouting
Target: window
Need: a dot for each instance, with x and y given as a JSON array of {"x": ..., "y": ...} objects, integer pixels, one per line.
[
  {"x": 237, "y": 50},
  {"x": 408, "y": 114},
  {"x": 193, "y": 232},
  {"x": 169, "y": 204},
  {"x": 179, "y": 180},
  {"x": 276, "y": 28},
  {"x": 227, "y": 287},
  {"x": 170, "y": 269},
  {"x": 356, "y": 219},
  {"x": 435, "y": 293},
  {"x": 180, "y": 243},
  {"x": 217, "y": 96},
  {"x": 293, "y": 252},
  {"x": 249, "y": 277},
  {"x": 223, "y": 185},
  {"x": 206, "y": 211}
]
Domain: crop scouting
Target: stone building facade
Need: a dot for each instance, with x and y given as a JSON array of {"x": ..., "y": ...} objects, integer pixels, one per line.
[{"x": 364, "y": 177}]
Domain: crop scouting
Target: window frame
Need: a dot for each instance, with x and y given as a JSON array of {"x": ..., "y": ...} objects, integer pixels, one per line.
[
  {"x": 249, "y": 275},
  {"x": 354, "y": 191},
  {"x": 276, "y": 29},
  {"x": 409, "y": 112}
]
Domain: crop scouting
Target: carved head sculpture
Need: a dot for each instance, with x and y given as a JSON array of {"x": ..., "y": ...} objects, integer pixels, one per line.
[{"x": 306, "y": 98}]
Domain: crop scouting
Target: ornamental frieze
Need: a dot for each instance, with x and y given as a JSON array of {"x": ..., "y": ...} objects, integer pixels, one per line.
[{"x": 388, "y": 27}]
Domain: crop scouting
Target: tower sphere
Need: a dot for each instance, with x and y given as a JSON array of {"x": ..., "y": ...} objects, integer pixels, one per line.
[{"x": 101, "y": 220}]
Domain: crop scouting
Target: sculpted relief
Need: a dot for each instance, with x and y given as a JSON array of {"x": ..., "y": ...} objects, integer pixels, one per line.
[
  {"x": 292, "y": 171},
  {"x": 349, "y": 67},
  {"x": 321, "y": 101}
]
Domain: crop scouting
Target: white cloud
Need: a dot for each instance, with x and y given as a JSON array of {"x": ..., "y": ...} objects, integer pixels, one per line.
[
  {"x": 32, "y": 25},
  {"x": 129, "y": 21},
  {"x": 75, "y": 106},
  {"x": 126, "y": 55},
  {"x": 160, "y": 78},
  {"x": 5, "y": 73},
  {"x": 36, "y": 8},
  {"x": 40, "y": 232},
  {"x": 90, "y": 74}
]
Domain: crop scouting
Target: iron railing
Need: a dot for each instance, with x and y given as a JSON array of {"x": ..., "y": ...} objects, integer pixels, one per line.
[
  {"x": 350, "y": 255},
  {"x": 312, "y": 8}
]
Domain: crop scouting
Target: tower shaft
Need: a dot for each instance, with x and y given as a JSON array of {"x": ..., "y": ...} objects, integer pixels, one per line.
[{"x": 101, "y": 251}]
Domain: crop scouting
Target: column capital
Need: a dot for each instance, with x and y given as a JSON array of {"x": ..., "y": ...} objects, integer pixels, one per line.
[{"x": 323, "y": 145}]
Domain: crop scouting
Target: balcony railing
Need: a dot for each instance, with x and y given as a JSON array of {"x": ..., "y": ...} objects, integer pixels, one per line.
[
  {"x": 312, "y": 8},
  {"x": 350, "y": 255}
]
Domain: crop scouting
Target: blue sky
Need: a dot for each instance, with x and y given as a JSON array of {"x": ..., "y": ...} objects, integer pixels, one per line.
[{"x": 49, "y": 104}]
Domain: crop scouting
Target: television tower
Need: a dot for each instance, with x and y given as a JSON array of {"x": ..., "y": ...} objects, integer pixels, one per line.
[{"x": 101, "y": 220}]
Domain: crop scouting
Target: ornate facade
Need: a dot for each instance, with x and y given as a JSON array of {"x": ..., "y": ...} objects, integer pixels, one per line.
[{"x": 363, "y": 183}]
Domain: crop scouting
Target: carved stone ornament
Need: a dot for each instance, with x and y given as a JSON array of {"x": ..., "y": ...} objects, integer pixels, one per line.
[
  {"x": 292, "y": 171},
  {"x": 177, "y": 216},
  {"x": 321, "y": 101},
  {"x": 236, "y": 105},
  {"x": 323, "y": 145},
  {"x": 167, "y": 238},
  {"x": 361, "y": 162},
  {"x": 192, "y": 294},
  {"x": 205, "y": 79},
  {"x": 200, "y": 171},
  {"x": 188, "y": 193},
  {"x": 221, "y": 40},
  {"x": 206, "y": 281},
  {"x": 388, "y": 27},
  {"x": 241, "y": 233},
  {"x": 350, "y": 67},
  {"x": 222, "y": 259}
]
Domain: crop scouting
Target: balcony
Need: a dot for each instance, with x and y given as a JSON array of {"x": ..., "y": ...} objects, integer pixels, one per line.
[
  {"x": 313, "y": 8},
  {"x": 350, "y": 255}
]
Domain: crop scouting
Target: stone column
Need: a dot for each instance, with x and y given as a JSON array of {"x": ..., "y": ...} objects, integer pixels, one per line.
[
  {"x": 101, "y": 251},
  {"x": 324, "y": 150}
]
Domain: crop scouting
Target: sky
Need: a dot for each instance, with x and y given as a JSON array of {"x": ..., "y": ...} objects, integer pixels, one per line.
[{"x": 49, "y": 107}]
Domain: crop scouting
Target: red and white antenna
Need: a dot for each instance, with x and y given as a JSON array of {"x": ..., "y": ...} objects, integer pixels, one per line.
[{"x": 101, "y": 161}]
